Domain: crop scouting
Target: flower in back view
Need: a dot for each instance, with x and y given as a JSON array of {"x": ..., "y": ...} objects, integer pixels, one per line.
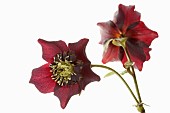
[
  {"x": 126, "y": 31},
  {"x": 67, "y": 72}
]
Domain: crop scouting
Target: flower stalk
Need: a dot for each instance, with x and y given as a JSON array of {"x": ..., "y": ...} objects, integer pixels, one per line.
[
  {"x": 119, "y": 75},
  {"x": 140, "y": 107}
]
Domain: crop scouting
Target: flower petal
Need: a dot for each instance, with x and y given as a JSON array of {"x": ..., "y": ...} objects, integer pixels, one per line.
[
  {"x": 64, "y": 93},
  {"x": 50, "y": 49},
  {"x": 61, "y": 45},
  {"x": 112, "y": 53},
  {"x": 41, "y": 78},
  {"x": 142, "y": 33},
  {"x": 138, "y": 51},
  {"x": 108, "y": 30},
  {"x": 79, "y": 49},
  {"x": 126, "y": 16},
  {"x": 88, "y": 76}
]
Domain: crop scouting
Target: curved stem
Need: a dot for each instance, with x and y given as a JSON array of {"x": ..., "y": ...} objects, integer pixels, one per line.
[{"x": 102, "y": 66}]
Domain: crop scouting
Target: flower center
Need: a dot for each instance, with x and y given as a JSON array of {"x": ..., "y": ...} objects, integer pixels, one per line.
[{"x": 66, "y": 68}]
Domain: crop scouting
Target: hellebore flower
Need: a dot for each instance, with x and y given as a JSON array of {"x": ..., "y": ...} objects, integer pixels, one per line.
[
  {"x": 126, "y": 28},
  {"x": 67, "y": 72}
]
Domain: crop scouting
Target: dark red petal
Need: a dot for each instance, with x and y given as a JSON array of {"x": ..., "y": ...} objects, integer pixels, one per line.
[
  {"x": 88, "y": 76},
  {"x": 142, "y": 33},
  {"x": 41, "y": 78},
  {"x": 50, "y": 49},
  {"x": 79, "y": 49},
  {"x": 146, "y": 51},
  {"x": 108, "y": 30},
  {"x": 61, "y": 45},
  {"x": 64, "y": 93},
  {"x": 138, "y": 51},
  {"x": 111, "y": 53},
  {"x": 126, "y": 16}
]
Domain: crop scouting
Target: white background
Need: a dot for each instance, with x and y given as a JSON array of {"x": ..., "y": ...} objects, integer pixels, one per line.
[{"x": 22, "y": 22}]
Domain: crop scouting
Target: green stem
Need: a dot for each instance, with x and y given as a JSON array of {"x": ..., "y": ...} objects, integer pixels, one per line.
[
  {"x": 140, "y": 105},
  {"x": 136, "y": 85},
  {"x": 102, "y": 66},
  {"x": 134, "y": 75}
]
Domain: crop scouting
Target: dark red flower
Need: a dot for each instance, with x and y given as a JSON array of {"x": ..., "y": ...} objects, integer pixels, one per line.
[
  {"x": 67, "y": 72},
  {"x": 126, "y": 24}
]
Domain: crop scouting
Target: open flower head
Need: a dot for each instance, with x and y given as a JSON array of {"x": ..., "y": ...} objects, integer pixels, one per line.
[
  {"x": 126, "y": 30},
  {"x": 66, "y": 72}
]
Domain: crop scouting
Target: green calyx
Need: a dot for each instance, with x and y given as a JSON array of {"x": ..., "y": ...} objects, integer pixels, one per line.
[
  {"x": 120, "y": 41},
  {"x": 116, "y": 41}
]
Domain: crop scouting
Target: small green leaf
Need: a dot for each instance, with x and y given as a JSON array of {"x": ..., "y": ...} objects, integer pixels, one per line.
[
  {"x": 109, "y": 74},
  {"x": 124, "y": 72},
  {"x": 112, "y": 73}
]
